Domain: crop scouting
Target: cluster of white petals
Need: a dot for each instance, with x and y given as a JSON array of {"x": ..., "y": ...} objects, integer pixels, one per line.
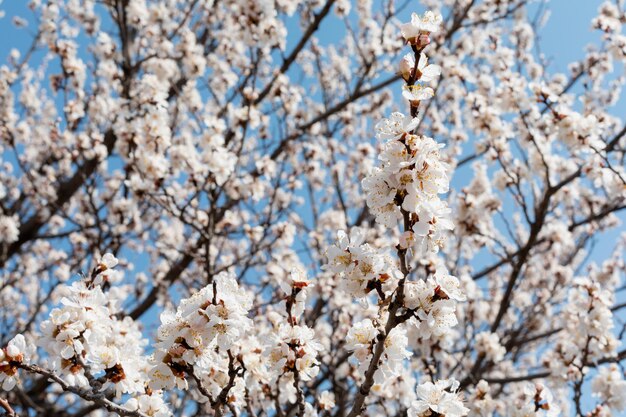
[
  {"x": 17, "y": 351},
  {"x": 535, "y": 400},
  {"x": 361, "y": 339},
  {"x": 9, "y": 229},
  {"x": 488, "y": 344},
  {"x": 84, "y": 338},
  {"x": 425, "y": 24},
  {"x": 439, "y": 398},
  {"x": 433, "y": 302},
  {"x": 88, "y": 345},
  {"x": 411, "y": 177},
  {"x": 588, "y": 319},
  {"x": 150, "y": 405},
  {"x": 214, "y": 319},
  {"x": 610, "y": 386},
  {"x": 294, "y": 348},
  {"x": 404, "y": 191},
  {"x": 362, "y": 267}
]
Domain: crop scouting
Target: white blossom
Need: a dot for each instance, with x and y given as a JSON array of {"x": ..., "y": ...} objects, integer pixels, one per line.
[
  {"x": 427, "y": 23},
  {"x": 438, "y": 398},
  {"x": 610, "y": 386},
  {"x": 16, "y": 352},
  {"x": 417, "y": 92}
]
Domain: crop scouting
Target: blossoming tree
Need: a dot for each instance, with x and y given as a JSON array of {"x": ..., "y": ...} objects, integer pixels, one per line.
[{"x": 206, "y": 209}]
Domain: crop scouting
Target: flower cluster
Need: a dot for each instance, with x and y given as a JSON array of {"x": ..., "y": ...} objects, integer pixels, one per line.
[
  {"x": 293, "y": 348},
  {"x": 88, "y": 346},
  {"x": 295, "y": 286},
  {"x": 404, "y": 189},
  {"x": 362, "y": 267},
  {"x": 610, "y": 386},
  {"x": 84, "y": 337},
  {"x": 417, "y": 34},
  {"x": 417, "y": 31},
  {"x": 408, "y": 183},
  {"x": 489, "y": 345},
  {"x": 433, "y": 303},
  {"x": 535, "y": 400},
  {"x": 16, "y": 352},
  {"x": 9, "y": 229},
  {"x": 588, "y": 319},
  {"x": 439, "y": 398},
  {"x": 213, "y": 319},
  {"x": 150, "y": 405},
  {"x": 361, "y": 339}
]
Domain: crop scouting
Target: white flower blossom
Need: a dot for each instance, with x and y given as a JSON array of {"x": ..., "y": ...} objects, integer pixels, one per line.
[
  {"x": 437, "y": 398},
  {"x": 395, "y": 126},
  {"x": 425, "y": 72},
  {"x": 17, "y": 351},
  {"x": 216, "y": 317},
  {"x": 326, "y": 400},
  {"x": 429, "y": 22},
  {"x": 417, "y": 92},
  {"x": 610, "y": 386},
  {"x": 9, "y": 229}
]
